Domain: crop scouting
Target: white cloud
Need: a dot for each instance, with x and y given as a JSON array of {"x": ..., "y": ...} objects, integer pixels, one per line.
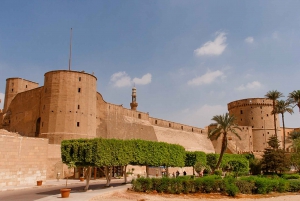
[
  {"x": 202, "y": 114},
  {"x": 122, "y": 79},
  {"x": 249, "y": 39},
  {"x": 207, "y": 78},
  {"x": 215, "y": 47},
  {"x": 2, "y": 100},
  {"x": 146, "y": 79},
  {"x": 250, "y": 85}
]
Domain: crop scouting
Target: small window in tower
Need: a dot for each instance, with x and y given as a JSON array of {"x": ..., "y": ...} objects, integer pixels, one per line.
[
  {"x": 201, "y": 131},
  {"x": 262, "y": 118},
  {"x": 140, "y": 116},
  {"x": 192, "y": 129},
  {"x": 262, "y": 127},
  {"x": 169, "y": 125},
  {"x": 267, "y": 115},
  {"x": 181, "y": 127},
  {"x": 241, "y": 111},
  {"x": 260, "y": 107},
  {"x": 252, "y": 118},
  {"x": 26, "y": 85},
  {"x": 79, "y": 90},
  {"x": 241, "y": 119},
  {"x": 12, "y": 90},
  {"x": 155, "y": 121},
  {"x": 252, "y": 126},
  {"x": 79, "y": 79},
  {"x": 78, "y": 107},
  {"x": 268, "y": 133},
  {"x": 78, "y": 124},
  {"x": 263, "y": 134}
]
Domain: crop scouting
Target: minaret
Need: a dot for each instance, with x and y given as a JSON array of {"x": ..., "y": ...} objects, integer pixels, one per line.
[{"x": 133, "y": 104}]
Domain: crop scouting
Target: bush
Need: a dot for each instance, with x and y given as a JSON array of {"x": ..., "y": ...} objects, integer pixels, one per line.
[
  {"x": 283, "y": 186},
  {"x": 294, "y": 185},
  {"x": 142, "y": 184},
  {"x": 218, "y": 172},
  {"x": 291, "y": 176},
  {"x": 245, "y": 187},
  {"x": 230, "y": 188}
]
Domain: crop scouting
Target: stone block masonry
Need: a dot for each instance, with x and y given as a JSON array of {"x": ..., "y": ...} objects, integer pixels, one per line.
[{"x": 23, "y": 160}]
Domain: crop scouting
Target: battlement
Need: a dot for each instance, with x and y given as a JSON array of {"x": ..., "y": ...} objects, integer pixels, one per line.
[
  {"x": 249, "y": 102},
  {"x": 174, "y": 125}
]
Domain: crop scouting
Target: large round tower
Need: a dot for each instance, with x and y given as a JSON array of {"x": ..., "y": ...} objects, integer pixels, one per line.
[
  {"x": 257, "y": 113},
  {"x": 68, "y": 106}
]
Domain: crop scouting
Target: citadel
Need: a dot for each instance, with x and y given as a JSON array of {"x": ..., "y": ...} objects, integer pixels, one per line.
[{"x": 35, "y": 119}]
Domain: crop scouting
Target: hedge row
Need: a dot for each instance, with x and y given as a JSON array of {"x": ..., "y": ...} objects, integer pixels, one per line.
[
  {"x": 215, "y": 184},
  {"x": 114, "y": 152}
]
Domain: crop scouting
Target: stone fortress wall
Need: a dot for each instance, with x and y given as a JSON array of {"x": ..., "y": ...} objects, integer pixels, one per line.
[{"x": 68, "y": 106}]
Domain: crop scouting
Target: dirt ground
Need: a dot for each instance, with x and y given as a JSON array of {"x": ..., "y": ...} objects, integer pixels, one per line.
[{"x": 127, "y": 195}]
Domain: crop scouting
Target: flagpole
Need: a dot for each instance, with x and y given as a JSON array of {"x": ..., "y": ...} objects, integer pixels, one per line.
[{"x": 70, "y": 50}]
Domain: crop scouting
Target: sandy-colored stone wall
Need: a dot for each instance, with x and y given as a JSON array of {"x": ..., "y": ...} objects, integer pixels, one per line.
[
  {"x": 190, "y": 141},
  {"x": 24, "y": 113},
  {"x": 174, "y": 125},
  {"x": 54, "y": 162},
  {"x": 15, "y": 86},
  {"x": 114, "y": 121},
  {"x": 235, "y": 145},
  {"x": 23, "y": 160}
]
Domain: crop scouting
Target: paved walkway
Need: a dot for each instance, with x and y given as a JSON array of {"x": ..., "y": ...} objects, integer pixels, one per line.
[{"x": 76, "y": 194}]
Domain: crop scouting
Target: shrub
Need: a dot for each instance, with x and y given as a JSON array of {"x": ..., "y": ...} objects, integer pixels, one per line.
[
  {"x": 143, "y": 184},
  {"x": 218, "y": 172},
  {"x": 230, "y": 188},
  {"x": 294, "y": 185},
  {"x": 245, "y": 187},
  {"x": 291, "y": 176},
  {"x": 283, "y": 186},
  {"x": 261, "y": 185}
]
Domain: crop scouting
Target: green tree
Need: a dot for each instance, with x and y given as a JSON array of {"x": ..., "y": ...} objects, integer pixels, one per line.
[
  {"x": 280, "y": 108},
  {"x": 294, "y": 97},
  {"x": 294, "y": 135},
  {"x": 274, "y": 95},
  {"x": 192, "y": 157},
  {"x": 274, "y": 158},
  {"x": 295, "y": 157},
  {"x": 226, "y": 124}
]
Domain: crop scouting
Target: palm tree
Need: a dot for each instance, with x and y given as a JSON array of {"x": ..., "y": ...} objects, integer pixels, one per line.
[
  {"x": 294, "y": 97},
  {"x": 280, "y": 108},
  {"x": 225, "y": 124},
  {"x": 274, "y": 95}
]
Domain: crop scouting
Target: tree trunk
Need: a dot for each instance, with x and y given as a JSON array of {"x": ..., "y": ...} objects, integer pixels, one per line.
[
  {"x": 193, "y": 170},
  {"x": 223, "y": 149},
  {"x": 108, "y": 175},
  {"x": 124, "y": 174},
  {"x": 167, "y": 171},
  {"x": 283, "y": 131},
  {"x": 147, "y": 171},
  {"x": 88, "y": 174},
  {"x": 275, "y": 119}
]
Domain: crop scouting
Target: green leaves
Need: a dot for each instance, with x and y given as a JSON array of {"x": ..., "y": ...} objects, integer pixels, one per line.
[{"x": 115, "y": 152}]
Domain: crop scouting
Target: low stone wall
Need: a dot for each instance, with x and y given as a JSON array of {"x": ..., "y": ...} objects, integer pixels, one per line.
[{"x": 23, "y": 160}]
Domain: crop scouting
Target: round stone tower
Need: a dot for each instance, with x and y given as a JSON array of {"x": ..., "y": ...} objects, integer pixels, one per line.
[
  {"x": 68, "y": 106},
  {"x": 257, "y": 113}
]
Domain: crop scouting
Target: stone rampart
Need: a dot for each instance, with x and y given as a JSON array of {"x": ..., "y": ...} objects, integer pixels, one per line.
[{"x": 23, "y": 160}]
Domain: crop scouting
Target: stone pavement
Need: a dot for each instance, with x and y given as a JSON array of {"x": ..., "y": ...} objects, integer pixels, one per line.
[{"x": 75, "y": 195}]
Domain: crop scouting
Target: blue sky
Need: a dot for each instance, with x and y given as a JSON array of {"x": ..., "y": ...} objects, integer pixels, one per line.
[{"x": 188, "y": 59}]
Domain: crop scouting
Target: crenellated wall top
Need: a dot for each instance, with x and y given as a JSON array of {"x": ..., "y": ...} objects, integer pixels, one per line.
[
  {"x": 70, "y": 71},
  {"x": 249, "y": 102}
]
